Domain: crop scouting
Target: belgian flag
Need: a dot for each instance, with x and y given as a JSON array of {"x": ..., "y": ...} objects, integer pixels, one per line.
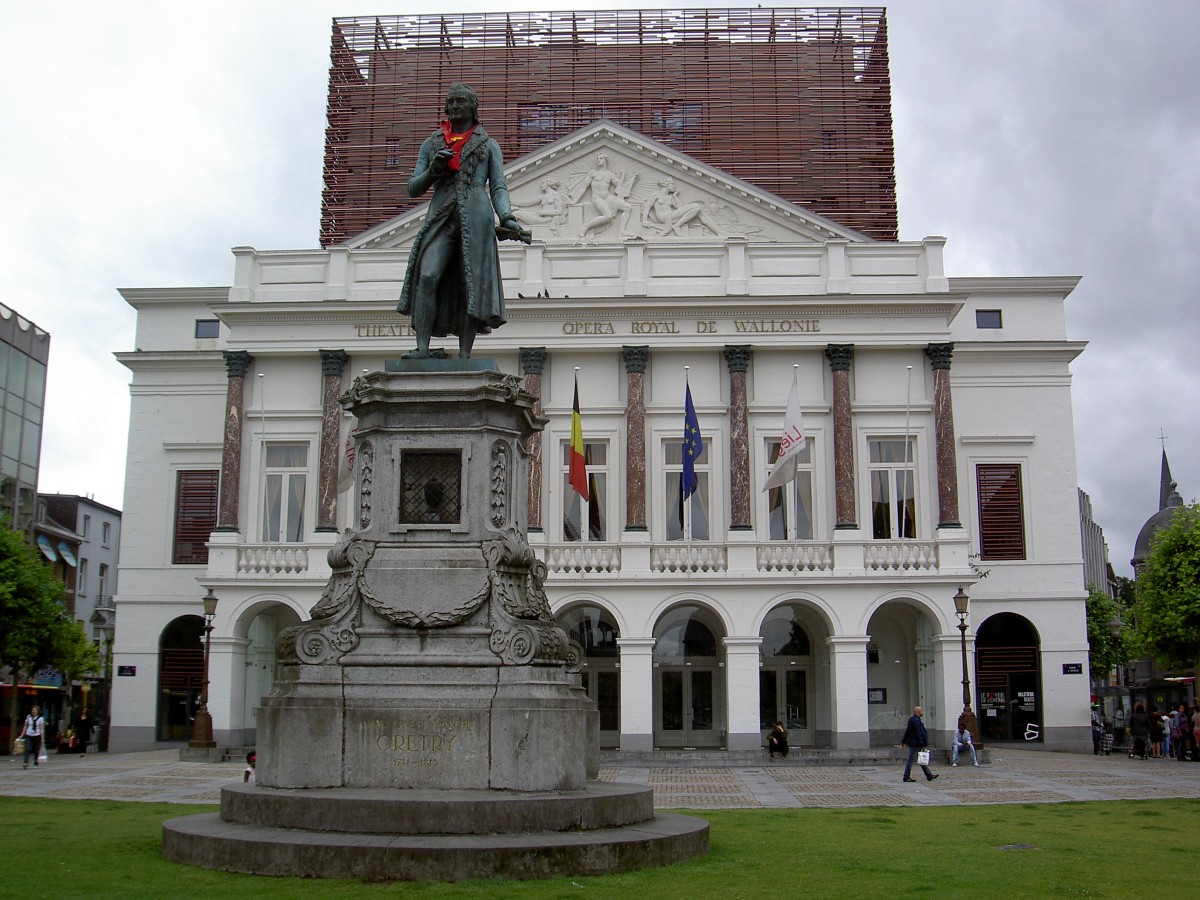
[{"x": 576, "y": 466}]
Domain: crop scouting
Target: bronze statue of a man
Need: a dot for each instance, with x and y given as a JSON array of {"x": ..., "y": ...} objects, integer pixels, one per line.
[{"x": 453, "y": 283}]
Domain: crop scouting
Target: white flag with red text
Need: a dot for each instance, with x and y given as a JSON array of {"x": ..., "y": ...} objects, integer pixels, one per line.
[{"x": 791, "y": 442}]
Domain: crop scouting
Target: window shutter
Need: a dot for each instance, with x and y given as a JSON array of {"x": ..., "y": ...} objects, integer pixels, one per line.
[
  {"x": 195, "y": 516},
  {"x": 1001, "y": 512}
]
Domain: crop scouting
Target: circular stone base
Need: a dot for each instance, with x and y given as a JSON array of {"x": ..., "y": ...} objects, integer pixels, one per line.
[
  {"x": 393, "y": 811},
  {"x": 210, "y": 842}
]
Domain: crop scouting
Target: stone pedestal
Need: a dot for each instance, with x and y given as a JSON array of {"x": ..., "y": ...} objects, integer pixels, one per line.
[{"x": 432, "y": 671}]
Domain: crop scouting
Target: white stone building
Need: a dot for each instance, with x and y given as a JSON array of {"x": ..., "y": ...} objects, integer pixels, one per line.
[{"x": 940, "y": 449}]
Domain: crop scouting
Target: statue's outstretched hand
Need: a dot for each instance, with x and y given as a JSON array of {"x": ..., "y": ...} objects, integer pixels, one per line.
[{"x": 510, "y": 230}]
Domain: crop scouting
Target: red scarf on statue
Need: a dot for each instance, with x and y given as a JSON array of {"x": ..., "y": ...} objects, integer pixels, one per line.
[{"x": 456, "y": 142}]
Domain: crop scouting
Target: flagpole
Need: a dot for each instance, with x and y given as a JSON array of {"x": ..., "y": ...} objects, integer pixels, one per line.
[
  {"x": 907, "y": 453},
  {"x": 683, "y": 512},
  {"x": 795, "y": 468}
]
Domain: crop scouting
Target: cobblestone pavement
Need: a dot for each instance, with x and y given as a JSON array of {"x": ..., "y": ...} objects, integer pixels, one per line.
[{"x": 1014, "y": 775}]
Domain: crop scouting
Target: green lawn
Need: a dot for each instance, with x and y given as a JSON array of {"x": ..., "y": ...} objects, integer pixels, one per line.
[{"x": 62, "y": 848}]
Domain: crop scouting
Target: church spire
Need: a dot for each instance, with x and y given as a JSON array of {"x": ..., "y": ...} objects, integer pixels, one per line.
[{"x": 1167, "y": 494}]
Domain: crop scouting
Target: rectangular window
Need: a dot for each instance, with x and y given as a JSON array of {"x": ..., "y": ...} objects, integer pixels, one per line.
[
  {"x": 790, "y": 508},
  {"x": 893, "y": 493},
  {"x": 686, "y": 520},
  {"x": 81, "y": 584},
  {"x": 104, "y": 591},
  {"x": 988, "y": 318},
  {"x": 87, "y": 526},
  {"x": 208, "y": 328},
  {"x": 594, "y": 510},
  {"x": 105, "y": 533},
  {"x": 195, "y": 516},
  {"x": 1001, "y": 512},
  {"x": 283, "y": 501}
]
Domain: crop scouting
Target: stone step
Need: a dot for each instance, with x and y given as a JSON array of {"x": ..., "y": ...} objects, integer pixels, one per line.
[{"x": 209, "y": 841}]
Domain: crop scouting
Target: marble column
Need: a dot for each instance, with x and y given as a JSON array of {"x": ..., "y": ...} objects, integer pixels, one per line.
[
  {"x": 332, "y": 364},
  {"x": 533, "y": 363},
  {"x": 237, "y": 363},
  {"x": 840, "y": 357},
  {"x": 737, "y": 360},
  {"x": 943, "y": 429},
  {"x": 635, "y": 359}
]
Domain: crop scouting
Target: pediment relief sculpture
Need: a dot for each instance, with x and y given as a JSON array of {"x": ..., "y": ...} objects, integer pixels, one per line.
[{"x": 620, "y": 201}]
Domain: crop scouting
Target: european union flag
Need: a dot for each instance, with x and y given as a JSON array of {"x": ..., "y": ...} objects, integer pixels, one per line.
[{"x": 693, "y": 445}]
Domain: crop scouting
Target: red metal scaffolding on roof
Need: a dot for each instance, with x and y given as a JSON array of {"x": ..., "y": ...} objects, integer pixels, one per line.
[{"x": 795, "y": 101}]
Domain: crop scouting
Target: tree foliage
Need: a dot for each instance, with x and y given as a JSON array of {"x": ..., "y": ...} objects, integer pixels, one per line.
[
  {"x": 1167, "y": 613},
  {"x": 1103, "y": 649},
  {"x": 35, "y": 628}
]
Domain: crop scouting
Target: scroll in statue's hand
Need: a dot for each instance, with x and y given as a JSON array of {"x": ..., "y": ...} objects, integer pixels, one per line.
[{"x": 511, "y": 230}]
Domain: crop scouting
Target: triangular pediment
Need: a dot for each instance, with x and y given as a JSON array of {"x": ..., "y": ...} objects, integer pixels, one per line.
[{"x": 606, "y": 184}]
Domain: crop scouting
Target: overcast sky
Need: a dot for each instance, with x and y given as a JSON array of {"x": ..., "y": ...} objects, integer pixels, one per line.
[{"x": 143, "y": 140}]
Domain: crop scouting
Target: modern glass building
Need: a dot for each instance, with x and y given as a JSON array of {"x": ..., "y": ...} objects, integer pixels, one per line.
[{"x": 24, "y": 354}]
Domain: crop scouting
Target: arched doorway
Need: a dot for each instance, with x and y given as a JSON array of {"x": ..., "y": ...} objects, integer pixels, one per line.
[
  {"x": 688, "y": 682},
  {"x": 1008, "y": 679},
  {"x": 180, "y": 677},
  {"x": 260, "y": 665},
  {"x": 785, "y": 676},
  {"x": 902, "y": 670},
  {"x": 596, "y": 631}
]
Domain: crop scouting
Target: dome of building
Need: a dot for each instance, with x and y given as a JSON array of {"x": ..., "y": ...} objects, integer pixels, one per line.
[{"x": 1169, "y": 503}]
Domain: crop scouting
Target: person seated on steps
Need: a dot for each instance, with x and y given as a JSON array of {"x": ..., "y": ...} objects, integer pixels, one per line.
[
  {"x": 777, "y": 741},
  {"x": 962, "y": 738}
]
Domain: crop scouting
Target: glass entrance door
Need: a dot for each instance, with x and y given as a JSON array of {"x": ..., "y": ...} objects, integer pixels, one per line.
[
  {"x": 603, "y": 685},
  {"x": 685, "y": 708},
  {"x": 783, "y": 697}
]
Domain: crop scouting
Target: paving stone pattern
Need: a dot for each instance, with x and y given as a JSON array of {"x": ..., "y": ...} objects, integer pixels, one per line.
[{"x": 1015, "y": 775}]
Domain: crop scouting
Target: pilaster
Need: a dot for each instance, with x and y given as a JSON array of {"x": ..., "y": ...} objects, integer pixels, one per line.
[
  {"x": 841, "y": 357},
  {"x": 635, "y": 359},
  {"x": 943, "y": 424},
  {"x": 333, "y": 362},
  {"x": 741, "y": 686},
  {"x": 237, "y": 363},
  {"x": 737, "y": 360},
  {"x": 848, "y": 669},
  {"x": 637, "y": 693}
]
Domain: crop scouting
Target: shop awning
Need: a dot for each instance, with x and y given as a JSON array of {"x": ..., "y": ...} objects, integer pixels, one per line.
[
  {"x": 47, "y": 548},
  {"x": 65, "y": 552}
]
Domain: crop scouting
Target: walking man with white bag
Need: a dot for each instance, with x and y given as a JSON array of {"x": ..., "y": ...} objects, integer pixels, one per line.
[{"x": 916, "y": 739}]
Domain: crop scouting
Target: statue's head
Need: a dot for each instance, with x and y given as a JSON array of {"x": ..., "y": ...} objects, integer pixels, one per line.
[{"x": 458, "y": 90}]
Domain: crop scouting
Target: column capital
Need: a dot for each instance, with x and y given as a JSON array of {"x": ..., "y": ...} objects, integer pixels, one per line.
[
  {"x": 635, "y": 358},
  {"x": 333, "y": 362},
  {"x": 737, "y": 357},
  {"x": 533, "y": 360},
  {"x": 840, "y": 356},
  {"x": 237, "y": 363},
  {"x": 939, "y": 355}
]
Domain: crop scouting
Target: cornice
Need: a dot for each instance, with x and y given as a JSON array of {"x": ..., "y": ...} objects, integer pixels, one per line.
[{"x": 1034, "y": 284}]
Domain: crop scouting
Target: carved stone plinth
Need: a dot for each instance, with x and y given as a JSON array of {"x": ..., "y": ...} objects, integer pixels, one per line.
[{"x": 432, "y": 675}]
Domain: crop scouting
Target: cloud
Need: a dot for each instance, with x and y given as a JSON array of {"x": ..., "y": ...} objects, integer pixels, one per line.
[{"x": 1040, "y": 138}]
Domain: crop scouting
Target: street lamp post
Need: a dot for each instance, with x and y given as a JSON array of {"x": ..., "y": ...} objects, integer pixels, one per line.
[
  {"x": 967, "y": 720},
  {"x": 202, "y": 734}
]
